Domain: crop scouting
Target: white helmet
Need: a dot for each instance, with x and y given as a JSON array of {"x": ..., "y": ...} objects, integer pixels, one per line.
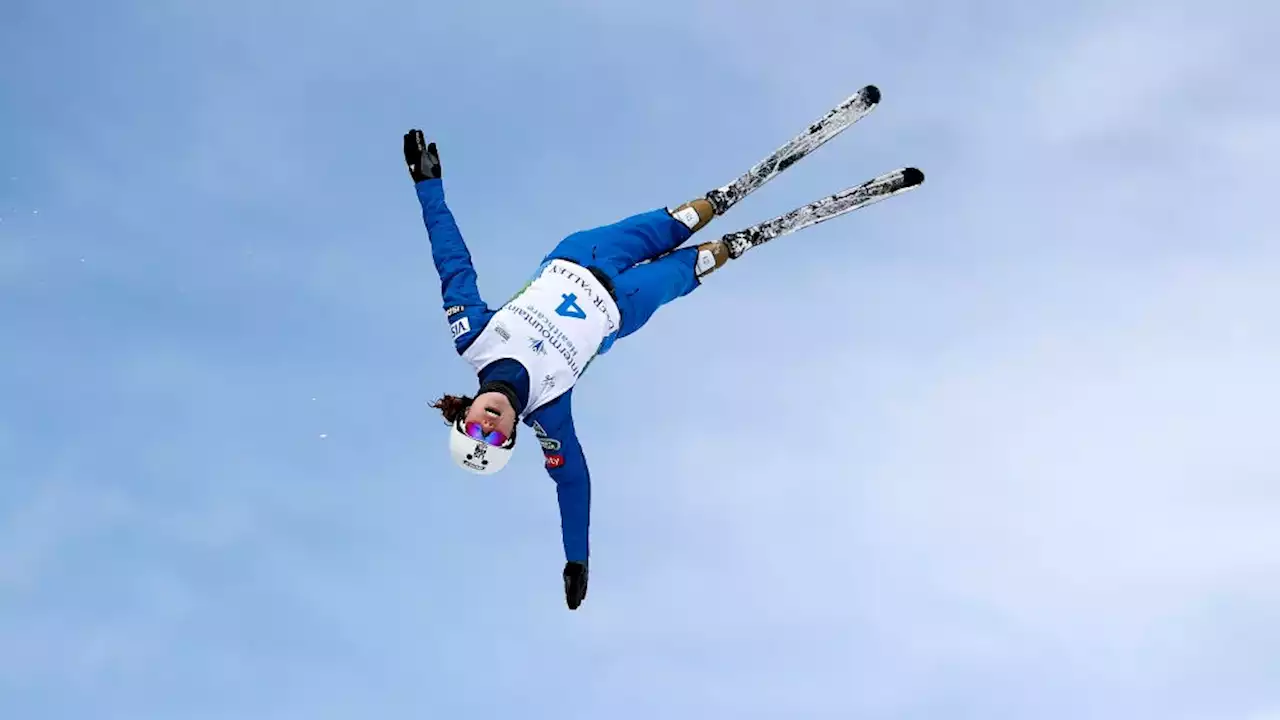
[{"x": 478, "y": 456}]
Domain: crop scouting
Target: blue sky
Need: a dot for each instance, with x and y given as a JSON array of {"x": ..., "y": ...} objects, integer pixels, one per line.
[{"x": 1051, "y": 494}]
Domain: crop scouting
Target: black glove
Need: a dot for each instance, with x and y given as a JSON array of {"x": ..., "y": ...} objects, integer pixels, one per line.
[
  {"x": 575, "y": 584},
  {"x": 422, "y": 159}
]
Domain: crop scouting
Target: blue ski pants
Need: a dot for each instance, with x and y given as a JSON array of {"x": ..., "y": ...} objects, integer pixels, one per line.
[{"x": 616, "y": 251}]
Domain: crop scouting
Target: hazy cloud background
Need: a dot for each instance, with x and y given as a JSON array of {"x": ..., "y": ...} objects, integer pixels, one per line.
[{"x": 1001, "y": 448}]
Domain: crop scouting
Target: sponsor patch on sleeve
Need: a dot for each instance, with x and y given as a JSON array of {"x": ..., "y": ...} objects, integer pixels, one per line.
[
  {"x": 460, "y": 327},
  {"x": 548, "y": 443},
  {"x": 555, "y": 461},
  {"x": 451, "y": 311}
]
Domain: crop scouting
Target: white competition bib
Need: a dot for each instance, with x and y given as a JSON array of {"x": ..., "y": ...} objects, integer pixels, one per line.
[{"x": 553, "y": 327}]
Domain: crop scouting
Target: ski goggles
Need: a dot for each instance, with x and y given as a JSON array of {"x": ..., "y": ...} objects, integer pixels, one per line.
[{"x": 475, "y": 431}]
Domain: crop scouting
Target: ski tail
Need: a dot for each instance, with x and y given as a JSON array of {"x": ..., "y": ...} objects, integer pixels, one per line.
[
  {"x": 836, "y": 121},
  {"x": 846, "y": 201}
]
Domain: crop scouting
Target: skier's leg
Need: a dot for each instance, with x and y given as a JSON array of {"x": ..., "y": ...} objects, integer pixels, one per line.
[
  {"x": 616, "y": 247},
  {"x": 643, "y": 289}
]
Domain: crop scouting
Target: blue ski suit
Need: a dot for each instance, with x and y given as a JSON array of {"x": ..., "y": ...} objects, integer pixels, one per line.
[{"x": 613, "y": 251}]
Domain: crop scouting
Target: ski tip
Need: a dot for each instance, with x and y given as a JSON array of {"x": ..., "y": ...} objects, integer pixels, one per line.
[
  {"x": 872, "y": 94},
  {"x": 912, "y": 177}
]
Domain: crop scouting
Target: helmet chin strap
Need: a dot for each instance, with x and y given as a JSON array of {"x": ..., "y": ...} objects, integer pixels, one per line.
[
  {"x": 509, "y": 392},
  {"x": 500, "y": 386}
]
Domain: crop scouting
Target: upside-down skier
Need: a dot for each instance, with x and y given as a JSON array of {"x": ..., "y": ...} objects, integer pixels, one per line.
[{"x": 594, "y": 288}]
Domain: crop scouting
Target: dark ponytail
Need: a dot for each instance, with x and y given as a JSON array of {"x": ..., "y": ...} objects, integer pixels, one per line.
[{"x": 453, "y": 407}]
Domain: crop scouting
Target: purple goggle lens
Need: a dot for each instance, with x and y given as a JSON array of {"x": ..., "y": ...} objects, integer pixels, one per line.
[{"x": 476, "y": 431}]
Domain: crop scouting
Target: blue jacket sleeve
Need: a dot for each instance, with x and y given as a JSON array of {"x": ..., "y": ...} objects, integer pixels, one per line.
[
  {"x": 465, "y": 312},
  {"x": 566, "y": 464}
]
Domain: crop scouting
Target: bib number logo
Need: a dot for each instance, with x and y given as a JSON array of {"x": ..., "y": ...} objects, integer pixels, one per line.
[{"x": 569, "y": 308}]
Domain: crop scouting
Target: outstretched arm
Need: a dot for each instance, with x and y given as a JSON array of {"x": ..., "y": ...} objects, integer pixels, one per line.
[
  {"x": 567, "y": 466},
  {"x": 464, "y": 309}
]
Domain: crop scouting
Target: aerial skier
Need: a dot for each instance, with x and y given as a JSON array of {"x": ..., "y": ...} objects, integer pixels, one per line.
[{"x": 594, "y": 288}]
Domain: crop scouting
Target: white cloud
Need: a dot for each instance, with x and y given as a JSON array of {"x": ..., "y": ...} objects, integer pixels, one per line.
[
  {"x": 37, "y": 530},
  {"x": 1134, "y": 71}
]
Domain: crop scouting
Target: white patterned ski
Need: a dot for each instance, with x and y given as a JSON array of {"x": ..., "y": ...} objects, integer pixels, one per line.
[
  {"x": 845, "y": 201},
  {"x": 853, "y": 109}
]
